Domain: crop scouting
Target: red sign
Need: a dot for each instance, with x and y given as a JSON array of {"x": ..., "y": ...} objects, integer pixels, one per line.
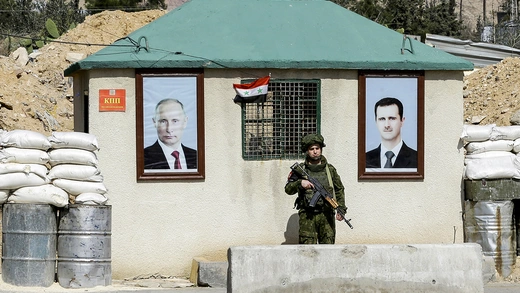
[{"x": 113, "y": 100}]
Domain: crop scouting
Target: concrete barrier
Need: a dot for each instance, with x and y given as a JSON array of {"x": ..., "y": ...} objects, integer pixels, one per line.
[{"x": 398, "y": 268}]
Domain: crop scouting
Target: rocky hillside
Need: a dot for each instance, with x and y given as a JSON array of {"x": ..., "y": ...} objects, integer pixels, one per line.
[
  {"x": 492, "y": 94},
  {"x": 34, "y": 94}
]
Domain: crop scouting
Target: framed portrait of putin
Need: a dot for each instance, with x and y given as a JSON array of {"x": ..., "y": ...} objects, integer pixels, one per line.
[
  {"x": 170, "y": 125},
  {"x": 391, "y": 119}
]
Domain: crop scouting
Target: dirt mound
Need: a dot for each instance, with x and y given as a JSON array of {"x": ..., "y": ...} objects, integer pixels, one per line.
[
  {"x": 37, "y": 96},
  {"x": 491, "y": 94}
]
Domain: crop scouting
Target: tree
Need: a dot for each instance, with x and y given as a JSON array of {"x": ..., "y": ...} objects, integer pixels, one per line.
[
  {"x": 413, "y": 17},
  {"x": 22, "y": 22},
  {"x": 440, "y": 18}
]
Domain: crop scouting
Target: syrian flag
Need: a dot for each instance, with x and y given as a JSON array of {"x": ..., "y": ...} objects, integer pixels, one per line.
[{"x": 254, "y": 92}]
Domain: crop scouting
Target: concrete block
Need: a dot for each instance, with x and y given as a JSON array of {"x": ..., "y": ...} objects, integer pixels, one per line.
[
  {"x": 399, "y": 268},
  {"x": 489, "y": 272},
  {"x": 205, "y": 273}
]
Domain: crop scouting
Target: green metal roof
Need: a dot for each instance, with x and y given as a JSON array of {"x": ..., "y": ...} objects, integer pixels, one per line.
[{"x": 296, "y": 34}]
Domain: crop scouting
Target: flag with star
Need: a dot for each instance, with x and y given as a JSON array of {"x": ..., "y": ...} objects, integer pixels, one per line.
[{"x": 254, "y": 92}]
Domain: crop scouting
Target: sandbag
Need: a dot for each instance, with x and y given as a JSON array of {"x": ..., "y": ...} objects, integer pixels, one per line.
[
  {"x": 73, "y": 140},
  {"x": 489, "y": 145},
  {"x": 19, "y": 179},
  {"x": 72, "y": 156},
  {"x": 516, "y": 146},
  {"x": 40, "y": 170},
  {"x": 75, "y": 172},
  {"x": 476, "y": 132},
  {"x": 505, "y": 132},
  {"x": 43, "y": 194},
  {"x": 91, "y": 198},
  {"x": 504, "y": 167},
  {"x": 26, "y": 139},
  {"x": 23, "y": 156},
  {"x": 4, "y": 194},
  {"x": 76, "y": 187}
]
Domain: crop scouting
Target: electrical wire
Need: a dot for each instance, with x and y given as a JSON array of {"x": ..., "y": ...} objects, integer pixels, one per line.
[
  {"x": 70, "y": 43},
  {"x": 134, "y": 44}
]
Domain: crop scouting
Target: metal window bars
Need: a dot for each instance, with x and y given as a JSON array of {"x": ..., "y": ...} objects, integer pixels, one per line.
[{"x": 273, "y": 129}]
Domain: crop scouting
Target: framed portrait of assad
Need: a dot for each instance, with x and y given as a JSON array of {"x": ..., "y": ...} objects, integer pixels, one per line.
[
  {"x": 391, "y": 119},
  {"x": 170, "y": 125}
]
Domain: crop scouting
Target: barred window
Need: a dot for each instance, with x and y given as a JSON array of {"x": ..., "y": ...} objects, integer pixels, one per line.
[{"x": 273, "y": 129}]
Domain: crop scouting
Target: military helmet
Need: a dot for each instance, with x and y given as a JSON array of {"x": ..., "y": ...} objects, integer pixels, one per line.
[{"x": 311, "y": 139}]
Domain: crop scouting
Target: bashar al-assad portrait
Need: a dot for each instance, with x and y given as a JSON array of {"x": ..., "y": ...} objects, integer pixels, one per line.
[{"x": 391, "y": 124}]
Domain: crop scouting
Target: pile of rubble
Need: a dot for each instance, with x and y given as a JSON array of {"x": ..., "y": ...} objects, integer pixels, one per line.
[{"x": 34, "y": 94}]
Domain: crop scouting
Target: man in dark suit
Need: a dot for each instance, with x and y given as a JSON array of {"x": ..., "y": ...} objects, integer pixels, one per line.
[
  {"x": 392, "y": 152},
  {"x": 168, "y": 152}
]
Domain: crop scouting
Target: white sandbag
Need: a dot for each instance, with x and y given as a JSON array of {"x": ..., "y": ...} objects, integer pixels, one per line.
[
  {"x": 74, "y": 140},
  {"x": 40, "y": 170},
  {"x": 72, "y": 156},
  {"x": 17, "y": 180},
  {"x": 476, "y": 132},
  {"x": 4, "y": 194},
  {"x": 492, "y": 168},
  {"x": 23, "y": 156},
  {"x": 75, "y": 172},
  {"x": 75, "y": 187},
  {"x": 91, "y": 198},
  {"x": 505, "y": 132},
  {"x": 43, "y": 194},
  {"x": 489, "y": 145},
  {"x": 516, "y": 145},
  {"x": 486, "y": 155},
  {"x": 26, "y": 139}
]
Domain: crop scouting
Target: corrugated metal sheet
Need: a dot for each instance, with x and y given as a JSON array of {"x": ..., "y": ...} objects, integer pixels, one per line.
[{"x": 480, "y": 54}]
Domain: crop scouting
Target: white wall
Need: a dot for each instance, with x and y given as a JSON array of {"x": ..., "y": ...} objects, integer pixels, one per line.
[{"x": 158, "y": 227}]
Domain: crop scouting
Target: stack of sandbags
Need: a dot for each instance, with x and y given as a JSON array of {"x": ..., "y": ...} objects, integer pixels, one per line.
[
  {"x": 74, "y": 167},
  {"x": 492, "y": 152},
  {"x": 23, "y": 169}
]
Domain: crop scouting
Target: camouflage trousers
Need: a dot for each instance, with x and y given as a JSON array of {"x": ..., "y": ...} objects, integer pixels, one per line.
[{"x": 317, "y": 227}]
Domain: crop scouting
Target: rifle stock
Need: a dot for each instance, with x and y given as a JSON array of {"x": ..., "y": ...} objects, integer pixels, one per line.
[{"x": 320, "y": 191}]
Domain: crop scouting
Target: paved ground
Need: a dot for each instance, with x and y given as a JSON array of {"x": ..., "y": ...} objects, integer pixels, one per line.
[
  {"x": 501, "y": 288},
  {"x": 180, "y": 286},
  {"x": 493, "y": 288}
]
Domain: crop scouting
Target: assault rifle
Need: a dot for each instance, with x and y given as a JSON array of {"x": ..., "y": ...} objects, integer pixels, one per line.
[{"x": 320, "y": 191}]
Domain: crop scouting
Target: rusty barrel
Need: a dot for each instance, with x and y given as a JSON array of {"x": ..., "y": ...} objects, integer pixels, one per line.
[
  {"x": 29, "y": 244},
  {"x": 84, "y": 246},
  {"x": 491, "y": 224}
]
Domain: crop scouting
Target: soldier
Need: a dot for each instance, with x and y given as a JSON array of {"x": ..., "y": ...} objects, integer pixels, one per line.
[{"x": 316, "y": 223}]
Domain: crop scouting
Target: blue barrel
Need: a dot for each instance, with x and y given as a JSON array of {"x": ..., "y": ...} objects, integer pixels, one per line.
[
  {"x": 84, "y": 246},
  {"x": 29, "y": 234}
]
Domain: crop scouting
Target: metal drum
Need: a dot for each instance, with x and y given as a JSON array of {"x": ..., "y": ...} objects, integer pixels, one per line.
[
  {"x": 84, "y": 242},
  {"x": 490, "y": 224},
  {"x": 29, "y": 244}
]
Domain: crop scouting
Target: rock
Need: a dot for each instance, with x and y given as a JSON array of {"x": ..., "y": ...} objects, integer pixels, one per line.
[
  {"x": 74, "y": 57},
  {"x": 477, "y": 119},
  {"x": 515, "y": 118},
  {"x": 35, "y": 54},
  {"x": 21, "y": 56}
]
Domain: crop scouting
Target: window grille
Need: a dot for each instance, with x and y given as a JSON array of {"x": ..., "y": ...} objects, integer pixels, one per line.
[{"x": 273, "y": 129}]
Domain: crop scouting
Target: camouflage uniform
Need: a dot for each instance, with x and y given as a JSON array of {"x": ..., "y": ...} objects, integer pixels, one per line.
[{"x": 317, "y": 225}]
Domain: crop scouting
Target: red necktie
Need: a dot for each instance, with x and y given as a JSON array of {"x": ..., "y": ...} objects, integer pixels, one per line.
[{"x": 175, "y": 154}]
